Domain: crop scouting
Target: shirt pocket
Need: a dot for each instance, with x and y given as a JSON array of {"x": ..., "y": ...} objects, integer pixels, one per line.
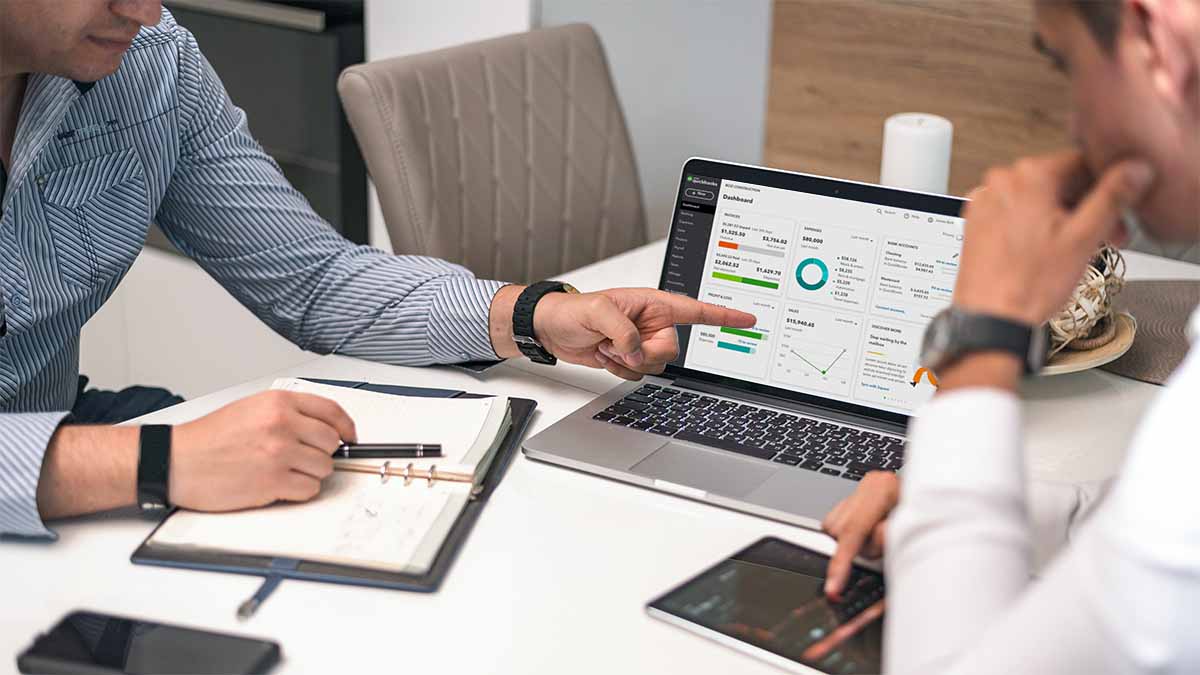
[{"x": 98, "y": 214}]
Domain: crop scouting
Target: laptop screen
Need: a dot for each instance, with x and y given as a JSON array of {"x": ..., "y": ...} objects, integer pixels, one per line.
[{"x": 843, "y": 277}]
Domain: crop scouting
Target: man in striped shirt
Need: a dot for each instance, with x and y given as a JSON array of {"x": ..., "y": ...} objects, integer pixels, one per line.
[{"x": 111, "y": 118}]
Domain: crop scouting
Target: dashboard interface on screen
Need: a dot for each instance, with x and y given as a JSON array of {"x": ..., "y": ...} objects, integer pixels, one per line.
[{"x": 843, "y": 289}]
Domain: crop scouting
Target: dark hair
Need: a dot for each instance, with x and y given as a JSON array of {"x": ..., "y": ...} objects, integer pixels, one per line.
[{"x": 1103, "y": 19}]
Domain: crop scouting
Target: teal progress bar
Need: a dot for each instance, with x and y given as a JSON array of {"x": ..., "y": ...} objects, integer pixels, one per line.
[{"x": 736, "y": 348}]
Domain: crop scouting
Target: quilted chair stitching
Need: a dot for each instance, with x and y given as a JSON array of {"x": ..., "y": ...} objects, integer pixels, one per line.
[
  {"x": 503, "y": 133},
  {"x": 495, "y": 174},
  {"x": 462, "y": 162},
  {"x": 546, "y": 127},
  {"x": 493, "y": 126},
  {"x": 389, "y": 127},
  {"x": 568, "y": 175},
  {"x": 562, "y": 85},
  {"x": 602, "y": 230},
  {"x": 469, "y": 143},
  {"x": 426, "y": 117},
  {"x": 530, "y": 178}
]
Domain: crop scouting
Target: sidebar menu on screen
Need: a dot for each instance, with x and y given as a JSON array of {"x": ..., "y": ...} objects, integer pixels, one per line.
[{"x": 686, "y": 250}]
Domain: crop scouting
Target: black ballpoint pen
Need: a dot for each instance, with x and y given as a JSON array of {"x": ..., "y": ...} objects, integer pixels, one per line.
[{"x": 387, "y": 450}]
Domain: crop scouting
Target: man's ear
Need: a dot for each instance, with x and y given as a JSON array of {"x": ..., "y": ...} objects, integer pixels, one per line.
[{"x": 1163, "y": 34}]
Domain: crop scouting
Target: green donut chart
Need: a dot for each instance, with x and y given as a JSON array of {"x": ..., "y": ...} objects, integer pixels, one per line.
[{"x": 812, "y": 262}]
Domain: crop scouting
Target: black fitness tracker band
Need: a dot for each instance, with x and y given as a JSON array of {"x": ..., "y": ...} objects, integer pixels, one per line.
[
  {"x": 154, "y": 467},
  {"x": 523, "y": 335}
]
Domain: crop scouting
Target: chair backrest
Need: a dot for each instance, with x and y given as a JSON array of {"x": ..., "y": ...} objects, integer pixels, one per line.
[{"x": 509, "y": 156}]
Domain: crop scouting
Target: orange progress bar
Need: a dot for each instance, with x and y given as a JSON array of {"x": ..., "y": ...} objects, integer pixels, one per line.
[{"x": 727, "y": 244}]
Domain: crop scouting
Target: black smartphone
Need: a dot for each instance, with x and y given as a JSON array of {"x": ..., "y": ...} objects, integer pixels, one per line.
[{"x": 94, "y": 644}]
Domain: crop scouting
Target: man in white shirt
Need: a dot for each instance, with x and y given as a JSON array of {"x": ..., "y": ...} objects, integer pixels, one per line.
[{"x": 1124, "y": 596}]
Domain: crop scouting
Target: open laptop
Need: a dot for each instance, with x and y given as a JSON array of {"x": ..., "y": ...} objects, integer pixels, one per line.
[{"x": 782, "y": 419}]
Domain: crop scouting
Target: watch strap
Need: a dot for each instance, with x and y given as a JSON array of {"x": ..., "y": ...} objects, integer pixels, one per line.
[
  {"x": 523, "y": 309},
  {"x": 983, "y": 332},
  {"x": 154, "y": 467}
]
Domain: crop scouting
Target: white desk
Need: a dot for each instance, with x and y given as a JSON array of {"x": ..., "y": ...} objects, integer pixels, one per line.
[{"x": 556, "y": 572}]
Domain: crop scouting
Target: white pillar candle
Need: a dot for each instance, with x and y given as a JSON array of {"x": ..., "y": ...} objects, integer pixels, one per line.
[{"x": 916, "y": 152}]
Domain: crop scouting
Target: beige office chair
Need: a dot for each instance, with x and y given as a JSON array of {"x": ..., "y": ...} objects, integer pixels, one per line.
[{"x": 509, "y": 156}]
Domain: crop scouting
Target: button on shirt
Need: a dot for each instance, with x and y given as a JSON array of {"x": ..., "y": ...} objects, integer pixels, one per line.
[
  {"x": 1124, "y": 597},
  {"x": 160, "y": 140}
]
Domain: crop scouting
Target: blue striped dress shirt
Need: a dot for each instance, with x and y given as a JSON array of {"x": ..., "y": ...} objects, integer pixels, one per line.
[{"x": 160, "y": 140}]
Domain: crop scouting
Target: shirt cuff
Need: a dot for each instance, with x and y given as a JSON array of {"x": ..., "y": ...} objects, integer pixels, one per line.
[
  {"x": 969, "y": 438},
  {"x": 458, "y": 320},
  {"x": 24, "y": 438}
]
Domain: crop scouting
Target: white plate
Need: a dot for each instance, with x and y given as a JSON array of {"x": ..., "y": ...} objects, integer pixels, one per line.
[{"x": 1068, "y": 361}]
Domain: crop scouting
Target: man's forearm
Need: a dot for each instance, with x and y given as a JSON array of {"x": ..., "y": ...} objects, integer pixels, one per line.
[{"x": 88, "y": 469}]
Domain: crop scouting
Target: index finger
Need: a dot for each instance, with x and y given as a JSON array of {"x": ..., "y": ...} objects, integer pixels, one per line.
[
  {"x": 327, "y": 411},
  {"x": 848, "y": 546},
  {"x": 686, "y": 310}
]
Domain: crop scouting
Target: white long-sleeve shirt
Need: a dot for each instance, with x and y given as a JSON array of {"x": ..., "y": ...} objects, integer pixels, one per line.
[{"x": 1124, "y": 597}]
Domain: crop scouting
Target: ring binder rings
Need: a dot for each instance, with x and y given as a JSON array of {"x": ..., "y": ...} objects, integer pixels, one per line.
[
  {"x": 427, "y": 582},
  {"x": 408, "y": 473}
]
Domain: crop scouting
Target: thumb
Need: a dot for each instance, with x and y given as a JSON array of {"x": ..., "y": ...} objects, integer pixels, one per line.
[
  {"x": 607, "y": 319},
  {"x": 1121, "y": 187}
]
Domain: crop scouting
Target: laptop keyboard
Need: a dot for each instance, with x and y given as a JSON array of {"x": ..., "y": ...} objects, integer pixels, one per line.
[{"x": 786, "y": 438}]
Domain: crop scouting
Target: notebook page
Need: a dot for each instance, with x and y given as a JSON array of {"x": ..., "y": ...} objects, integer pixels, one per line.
[
  {"x": 356, "y": 520},
  {"x": 386, "y": 418}
]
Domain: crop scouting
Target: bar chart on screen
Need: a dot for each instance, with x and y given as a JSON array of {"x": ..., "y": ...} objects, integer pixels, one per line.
[
  {"x": 750, "y": 251},
  {"x": 739, "y": 351}
]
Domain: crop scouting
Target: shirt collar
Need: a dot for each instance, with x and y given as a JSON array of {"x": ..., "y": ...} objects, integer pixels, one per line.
[
  {"x": 47, "y": 99},
  {"x": 83, "y": 87}
]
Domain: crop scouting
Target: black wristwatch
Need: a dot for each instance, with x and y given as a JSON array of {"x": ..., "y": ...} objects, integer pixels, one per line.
[
  {"x": 523, "y": 335},
  {"x": 154, "y": 467},
  {"x": 954, "y": 333}
]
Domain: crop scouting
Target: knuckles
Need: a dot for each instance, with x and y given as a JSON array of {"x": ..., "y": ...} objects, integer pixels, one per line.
[{"x": 600, "y": 303}]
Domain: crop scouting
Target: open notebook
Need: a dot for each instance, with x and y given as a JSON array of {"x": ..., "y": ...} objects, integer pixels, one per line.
[{"x": 361, "y": 520}]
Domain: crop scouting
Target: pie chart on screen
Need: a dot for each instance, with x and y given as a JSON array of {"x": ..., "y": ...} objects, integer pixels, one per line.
[{"x": 812, "y": 274}]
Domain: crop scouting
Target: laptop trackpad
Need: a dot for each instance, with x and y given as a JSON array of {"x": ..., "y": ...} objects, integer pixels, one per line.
[{"x": 709, "y": 470}]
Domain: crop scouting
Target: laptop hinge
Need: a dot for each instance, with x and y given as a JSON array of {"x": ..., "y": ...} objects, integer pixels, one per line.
[{"x": 778, "y": 402}]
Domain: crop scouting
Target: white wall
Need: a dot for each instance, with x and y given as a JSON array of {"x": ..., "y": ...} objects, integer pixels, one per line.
[
  {"x": 170, "y": 325},
  {"x": 692, "y": 78},
  {"x": 401, "y": 27}
]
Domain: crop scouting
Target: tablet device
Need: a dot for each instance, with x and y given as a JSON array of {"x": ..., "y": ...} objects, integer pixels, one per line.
[{"x": 768, "y": 601}]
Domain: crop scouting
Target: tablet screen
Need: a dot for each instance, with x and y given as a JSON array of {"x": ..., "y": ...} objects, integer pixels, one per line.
[{"x": 769, "y": 598}]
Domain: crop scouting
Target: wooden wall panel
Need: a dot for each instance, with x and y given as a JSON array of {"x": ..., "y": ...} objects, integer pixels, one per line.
[{"x": 840, "y": 67}]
